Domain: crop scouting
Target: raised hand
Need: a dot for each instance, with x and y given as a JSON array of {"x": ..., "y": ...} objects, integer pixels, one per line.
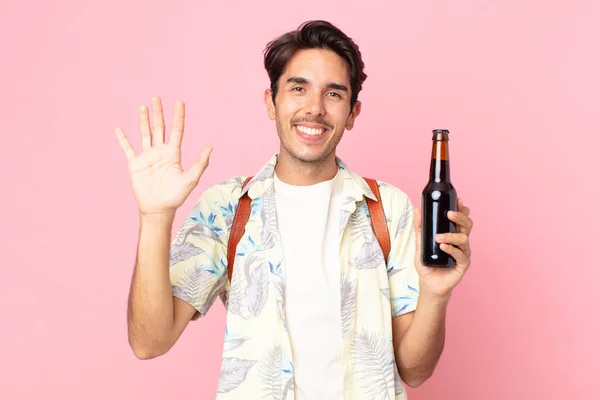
[
  {"x": 439, "y": 282},
  {"x": 160, "y": 184}
]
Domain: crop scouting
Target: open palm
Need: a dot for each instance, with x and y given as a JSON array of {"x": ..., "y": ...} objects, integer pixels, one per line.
[{"x": 159, "y": 182}]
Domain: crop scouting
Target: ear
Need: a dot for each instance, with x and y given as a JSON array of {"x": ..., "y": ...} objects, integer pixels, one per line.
[
  {"x": 353, "y": 114},
  {"x": 269, "y": 103}
]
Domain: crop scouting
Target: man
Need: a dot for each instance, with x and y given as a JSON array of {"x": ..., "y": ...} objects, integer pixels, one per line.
[{"x": 313, "y": 309}]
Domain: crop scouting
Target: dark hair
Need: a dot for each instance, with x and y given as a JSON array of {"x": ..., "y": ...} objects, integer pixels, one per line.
[{"x": 311, "y": 35}]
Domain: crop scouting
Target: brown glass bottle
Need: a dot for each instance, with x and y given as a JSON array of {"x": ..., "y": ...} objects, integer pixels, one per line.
[{"x": 438, "y": 197}]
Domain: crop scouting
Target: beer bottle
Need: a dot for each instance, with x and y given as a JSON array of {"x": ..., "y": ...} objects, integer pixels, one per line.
[{"x": 438, "y": 197}]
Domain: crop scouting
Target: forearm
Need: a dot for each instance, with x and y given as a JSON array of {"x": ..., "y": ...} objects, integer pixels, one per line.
[
  {"x": 150, "y": 308},
  {"x": 421, "y": 346}
]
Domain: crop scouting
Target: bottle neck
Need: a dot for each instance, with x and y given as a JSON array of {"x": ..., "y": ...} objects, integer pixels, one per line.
[{"x": 439, "y": 170}]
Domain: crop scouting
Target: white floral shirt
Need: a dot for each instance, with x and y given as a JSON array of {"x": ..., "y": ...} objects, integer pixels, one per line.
[{"x": 257, "y": 361}]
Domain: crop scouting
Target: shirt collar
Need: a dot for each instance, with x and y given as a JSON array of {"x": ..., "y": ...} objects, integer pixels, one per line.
[{"x": 354, "y": 185}]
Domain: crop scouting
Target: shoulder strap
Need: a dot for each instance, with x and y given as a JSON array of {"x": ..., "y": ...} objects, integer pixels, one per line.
[
  {"x": 378, "y": 221},
  {"x": 242, "y": 213}
]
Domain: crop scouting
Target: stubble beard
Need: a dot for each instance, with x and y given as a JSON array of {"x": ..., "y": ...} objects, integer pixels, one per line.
[{"x": 317, "y": 161}]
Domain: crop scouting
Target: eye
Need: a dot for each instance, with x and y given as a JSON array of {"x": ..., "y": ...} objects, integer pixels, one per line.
[
  {"x": 298, "y": 89},
  {"x": 334, "y": 94}
]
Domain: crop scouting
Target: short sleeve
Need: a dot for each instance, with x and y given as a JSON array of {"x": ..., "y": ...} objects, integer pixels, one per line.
[
  {"x": 402, "y": 274},
  {"x": 198, "y": 256}
]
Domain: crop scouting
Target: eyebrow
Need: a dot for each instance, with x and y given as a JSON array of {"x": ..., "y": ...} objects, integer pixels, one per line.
[{"x": 331, "y": 85}]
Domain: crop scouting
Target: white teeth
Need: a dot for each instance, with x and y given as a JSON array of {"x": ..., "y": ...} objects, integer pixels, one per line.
[{"x": 310, "y": 131}]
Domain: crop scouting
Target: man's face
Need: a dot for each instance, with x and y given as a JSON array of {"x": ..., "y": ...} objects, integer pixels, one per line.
[{"x": 312, "y": 105}]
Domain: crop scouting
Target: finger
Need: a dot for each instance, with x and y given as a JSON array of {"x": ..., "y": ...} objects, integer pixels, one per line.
[
  {"x": 124, "y": 143},
  {"x": 158, "y": 133},
  {"x": 464, "y": 223},
  {"x": 418, "y": 218},
  {"x": 145, "y": 128},
  {"x": 178, "y": 124},
  {"x": 193, "y": 175},
  {"x": 457, "y": 239},
  {"x": 461, "y": 258},
  {"x": 462, "y": 208},
  {"x": 417, "y": 222}
]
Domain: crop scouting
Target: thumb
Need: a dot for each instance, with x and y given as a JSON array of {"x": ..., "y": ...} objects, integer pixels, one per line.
[
  {"x": 192, "y": 176},
  {"x": 417, "y": 223},
  {"x": 417, "y": 219}
]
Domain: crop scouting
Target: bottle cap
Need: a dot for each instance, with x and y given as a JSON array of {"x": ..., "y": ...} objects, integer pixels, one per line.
[{"x": 436, "y": 131}]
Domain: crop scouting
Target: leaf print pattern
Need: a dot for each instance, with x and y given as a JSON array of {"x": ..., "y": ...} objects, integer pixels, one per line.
[
  {"x": 192, "y": 286},
  {"x": 236, "y": 181},
  {"x": 182, "y": 232},
  {"x": 279, "y": 286},
  {"x": 181, "y": 252},
  {"x": 404, "y": 218},
  {"x": 237, "y": 300},
  {"x": 256, "y": 359},
  {"x": 392, "y": 270},
  {"x": 215, "y": 291},
  {"x": 402, "y": 303},
  {"x": 256, "y": 205},
  {"x": 269, "y": 371},
  {"x": 362, "y": 208},
  {"x": 360, "y": 225},
  {"x": 276, "y": 269},
  {"x": 217, "y": 270},
  {"x": 348, "y": 207},
  {"x": 234, "y": 302},
  {"x": 232, "y": 342},
  {"x": 207, "y": 219},
  {"x": 281, "y": 312},
  {"x": 269, "y": 217},
  {"x": 288, "y": 388},
  {"x": 247, "y": 246},
  {"x": 202, "y": 231},
  {"x": 256, "y": 257},
  {"x": 257, "y": 289},
  {"x": 386, "y": 293},
  {"x": 374, "y": 354},
  {"x": 267, "y": 173},
  {"x": 398, "y": 387},
  {"x": 344, "y": 217},
  {"x": 233, "y": 373},
  {"x": 228, "y": 212},
  {"x": 369, "y": 256},
  {"x": 397, "y": 309},
  {"x": 225, "y": 296},
  {"x": 274, "y": 370},
  {"x": 348, "y": 293}
]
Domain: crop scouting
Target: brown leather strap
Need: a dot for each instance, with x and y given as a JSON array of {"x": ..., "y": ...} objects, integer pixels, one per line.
[
  {"x": 242, "y": 213},
  {"x": 378, "y": 221}
]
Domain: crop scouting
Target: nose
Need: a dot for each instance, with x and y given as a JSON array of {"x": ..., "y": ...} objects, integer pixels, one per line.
[{"x": 315, "y": 105}]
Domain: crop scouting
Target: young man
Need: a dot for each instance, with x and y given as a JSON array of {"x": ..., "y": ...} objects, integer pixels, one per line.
[{"x": 314, "y": 311}]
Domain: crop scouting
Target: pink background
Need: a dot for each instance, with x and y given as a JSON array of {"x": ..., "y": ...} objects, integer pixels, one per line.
[{"x": 516, "y": 82}]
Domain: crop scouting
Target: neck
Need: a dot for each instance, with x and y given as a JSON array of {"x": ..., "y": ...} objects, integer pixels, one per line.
[
  {"x": 305, "y": 173},
  {"x": 439, "y": 171},
  {"x": 440, "y": 167}
]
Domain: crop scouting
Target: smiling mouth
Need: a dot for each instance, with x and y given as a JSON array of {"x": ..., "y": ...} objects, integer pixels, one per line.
[{"x": 310, "y": 131}]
